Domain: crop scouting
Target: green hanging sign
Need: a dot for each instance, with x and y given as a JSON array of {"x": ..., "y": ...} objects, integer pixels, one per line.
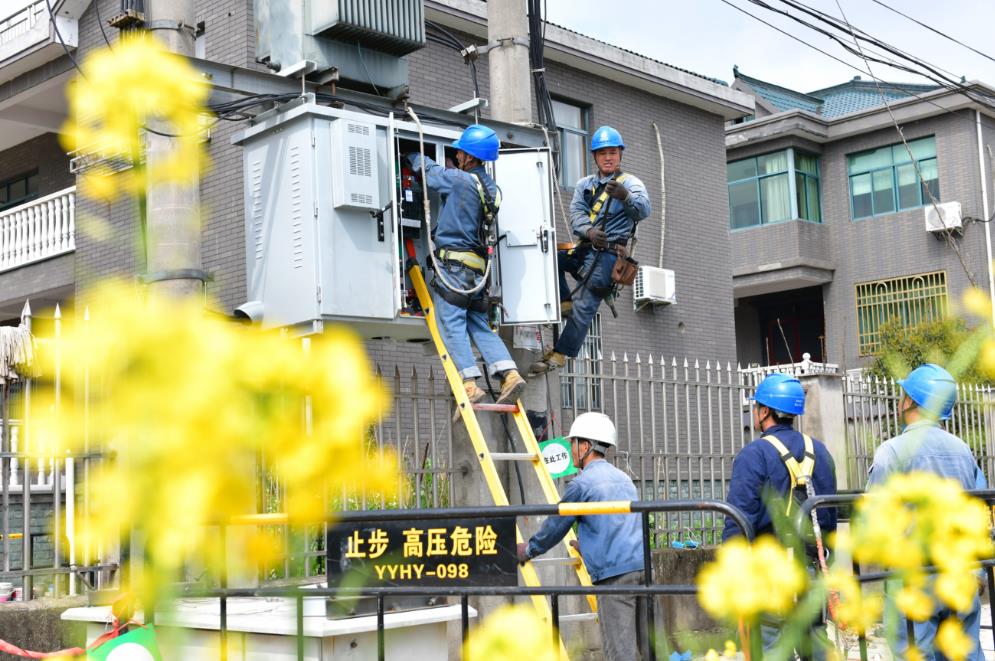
[
  {"x": 557, "y": 458},
  {"x": 139, "y": 644}
]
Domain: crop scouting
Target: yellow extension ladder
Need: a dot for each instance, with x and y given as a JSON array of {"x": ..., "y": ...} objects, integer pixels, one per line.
[{"x": 487, "y": 458}]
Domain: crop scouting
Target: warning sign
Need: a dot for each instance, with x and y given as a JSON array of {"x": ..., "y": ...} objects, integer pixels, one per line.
[
  {"x": 556, "y": 456},
  {"x": 428, "y": 553}
]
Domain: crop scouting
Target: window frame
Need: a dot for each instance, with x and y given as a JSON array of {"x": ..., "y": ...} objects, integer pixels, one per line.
[
  {"x": 924, "y": 200},
  {"x": 875, "y": 302},
  {"x": 585, "y": 135},
  {"x": 792, "y": 172},
  {"x": 28, "y": 196}
]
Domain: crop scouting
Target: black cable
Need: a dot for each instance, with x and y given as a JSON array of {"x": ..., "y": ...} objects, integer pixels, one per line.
[
  {"x": 897, "y": 86},
  {"x": 932, "y": 29},
  {"x": 55, "y": 26},
  {"x": 933, "y": 74},
  {"x": 100, "y": 23},
  {"x": 448, "y": 39}
]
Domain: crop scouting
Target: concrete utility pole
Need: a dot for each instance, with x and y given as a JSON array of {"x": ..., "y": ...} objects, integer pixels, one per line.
[
  {"x": 511, "y": 101},
  {"x": 508, "y": 65},
  {"x": 174, "y": 246}
]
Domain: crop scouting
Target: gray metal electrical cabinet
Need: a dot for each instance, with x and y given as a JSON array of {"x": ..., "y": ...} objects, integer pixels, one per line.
[{"x": 326, "y": 237}]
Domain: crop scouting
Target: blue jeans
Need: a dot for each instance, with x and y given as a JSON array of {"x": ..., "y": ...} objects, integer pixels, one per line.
[
  {"x": 461, "y": 325},
  {"x": 585, "y": 301},
  {"x": 925, "y": 632}
]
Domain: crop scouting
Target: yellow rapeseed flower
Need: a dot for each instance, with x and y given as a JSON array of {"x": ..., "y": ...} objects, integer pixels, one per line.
[
  {"x": 952, "y": 641},
  {"x": 746, "y": 580},
  {"x": 977, "y": 303},
  {"x": 138, "y": 85},
  {"x": 512, "y": 633},
  {"x": 193, "y": 406},
  {"x": 856, "y": 611},
  {"x": 919, "y": 519}
]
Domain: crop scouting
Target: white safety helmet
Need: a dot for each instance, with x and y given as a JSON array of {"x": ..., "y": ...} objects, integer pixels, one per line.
[{"x": 595, "y": 427}]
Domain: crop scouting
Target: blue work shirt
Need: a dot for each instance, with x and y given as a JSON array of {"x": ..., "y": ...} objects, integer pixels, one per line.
[
  {"x": 758, "y": 469},
  {"x": 611, "y": 544},
  {"x": 924, "y": 446},
  {"x": 458, "y": 226},
  {"x": 618, "y": 219}
]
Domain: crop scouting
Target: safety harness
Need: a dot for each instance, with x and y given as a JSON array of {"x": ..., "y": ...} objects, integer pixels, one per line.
[
  {"x": 800, "y": 472},
  {"x": 471, "y": 260},
  {"x": 600, "y": 195}
]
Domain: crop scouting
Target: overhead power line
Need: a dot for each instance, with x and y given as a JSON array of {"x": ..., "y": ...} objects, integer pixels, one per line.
[{"x": 932, "y": 29}]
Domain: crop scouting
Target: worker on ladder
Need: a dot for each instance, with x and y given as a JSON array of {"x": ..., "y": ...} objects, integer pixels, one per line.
[
  {"x": 462, "y": 251},
  {"x": 929, "y": 393},
  {"x": 781, "y": 469},
  {"x": 605, "y": 209},
  {"x": 611, "y": 544}
]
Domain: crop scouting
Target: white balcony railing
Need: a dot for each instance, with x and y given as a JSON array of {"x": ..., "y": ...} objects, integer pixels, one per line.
[{"x": 37, "y": 230}]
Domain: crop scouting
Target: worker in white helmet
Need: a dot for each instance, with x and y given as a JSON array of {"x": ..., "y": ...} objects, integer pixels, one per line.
[{"x": 611, "y": 544}]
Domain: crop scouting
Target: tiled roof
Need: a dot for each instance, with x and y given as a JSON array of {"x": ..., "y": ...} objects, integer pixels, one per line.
[
  {"x": 860, "y": 94},
  {"x": 781, "y": 98},
  {"x": 834, "y": 101}
]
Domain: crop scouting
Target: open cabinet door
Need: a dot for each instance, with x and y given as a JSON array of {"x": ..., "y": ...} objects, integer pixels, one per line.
[{"x": 526, "y": 247}]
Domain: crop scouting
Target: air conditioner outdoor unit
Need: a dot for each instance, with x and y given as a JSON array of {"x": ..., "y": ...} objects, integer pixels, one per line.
[
  {"x": 943, "y": 217},
  {"x": 653, "y": 286}
]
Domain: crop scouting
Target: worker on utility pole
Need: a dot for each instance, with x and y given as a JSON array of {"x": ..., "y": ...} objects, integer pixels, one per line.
[
  {"x": 605, "y": 209},
  {"x": 781, "y": 469},
  {"x": 929, "y": 393},
  {"x": 461, "y": 243},
  {"x": 611, "y": 544}
]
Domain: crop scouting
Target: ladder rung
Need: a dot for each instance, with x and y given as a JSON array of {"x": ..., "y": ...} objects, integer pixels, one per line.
[
  {"x": 555, "y": 561},
  {"x": 496, "y": 408},
  {"x": 512, "y": 456},
  {"x": 578, "y": 617}
]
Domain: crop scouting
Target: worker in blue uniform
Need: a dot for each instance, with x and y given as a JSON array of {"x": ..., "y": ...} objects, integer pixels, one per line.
[
  {"x": 603, "y": 214},
  {"x": 929, "y": 393},
  {"x": 611, "y": 544},
  {"x": 459, "y": 291},
  {"x": 775, "y": 471}
]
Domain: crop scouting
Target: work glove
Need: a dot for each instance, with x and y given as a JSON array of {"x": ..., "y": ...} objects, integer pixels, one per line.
[
  {"x": 598, "y": 238},
  {"x": 523, "y": 553},
  {"x": 617, "y": 190}
]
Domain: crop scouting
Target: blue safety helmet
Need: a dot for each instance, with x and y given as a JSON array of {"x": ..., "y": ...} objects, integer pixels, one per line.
[
  {"x": 782, "y": 393},
  {"x": 932, "y": 388},
  {"x": 480, "y": 141},
  {"x": 606, "y": 136}
]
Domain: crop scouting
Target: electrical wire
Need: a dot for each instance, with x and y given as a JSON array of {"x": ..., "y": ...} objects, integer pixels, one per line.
[
  {"x": 915, "y": 163},
  {"x": 850, "y": 65},
  {"x": 932, "y": 29},
  {"x": 100, "y": 24},
  {"x": 915, "y": 66}
]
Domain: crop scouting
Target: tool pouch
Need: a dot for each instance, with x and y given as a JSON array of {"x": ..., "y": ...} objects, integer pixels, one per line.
[{"x": 624, "y": 270}]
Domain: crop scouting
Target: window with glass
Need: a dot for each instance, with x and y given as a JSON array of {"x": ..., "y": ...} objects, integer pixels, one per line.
[
  {"x": 885, "y": 180},
  {"x": 580, "y": 385},
  {"x": 571, "y": 123},
  {"x": 773, "y": 188},
  {"x": 18, "y": 190},
  {"x": 911, "y": 300}
]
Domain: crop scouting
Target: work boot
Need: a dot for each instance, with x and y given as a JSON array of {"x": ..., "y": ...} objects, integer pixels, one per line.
[
  {"x": 553, "y": 360},
  {"x": 474, "y": 392},
  {"x": 566, "y": 307},
  {"x": 512, "y": 386}
]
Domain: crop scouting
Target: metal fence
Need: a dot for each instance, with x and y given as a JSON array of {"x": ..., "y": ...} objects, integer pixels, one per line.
[
  {"x": 680, "y": 424},
  {"x": 871, "y": 413}
]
